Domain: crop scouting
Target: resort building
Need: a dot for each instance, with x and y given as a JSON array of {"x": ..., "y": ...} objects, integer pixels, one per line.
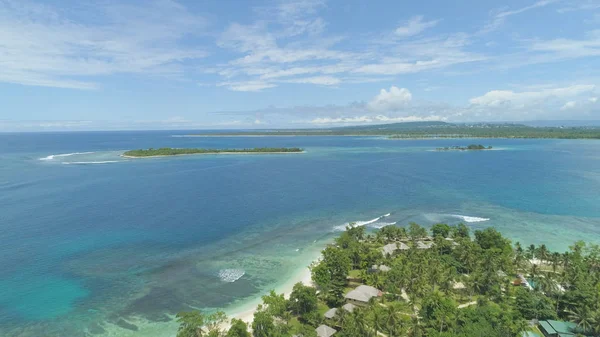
[
  {"x": 330, "y": 314},
  {"x": 424, "y": 245},
  {"x": 390, "y": 248},
  {"x": 551, "y": 328},
  {"x": 325, "y": 331},
  {"x": 381, "y": 268},
  {"x": 362, "y": 295},
  {"x": 349, "y": 307}
]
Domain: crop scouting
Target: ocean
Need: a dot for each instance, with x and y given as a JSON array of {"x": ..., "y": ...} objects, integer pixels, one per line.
[{"x": 93, "y": 244}]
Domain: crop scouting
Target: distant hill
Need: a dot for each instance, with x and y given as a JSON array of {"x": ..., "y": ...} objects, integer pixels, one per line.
[
  {"x": 410, "y": 130},
  {"x": 396, "y": 126}
]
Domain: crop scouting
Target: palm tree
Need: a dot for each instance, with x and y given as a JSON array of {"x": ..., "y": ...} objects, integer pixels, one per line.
[
  {"x": 415, "y": 327},
  {"x": 543, "y": 252},
  {"x": 596, "y": 323},
  {"x": 531, "y": 251},
  {"x": 377, "y": 317},
  {"x": 582, "y": 317},
  {"x": 391, "y": 319},
  {"x": 555, "y": 261}
]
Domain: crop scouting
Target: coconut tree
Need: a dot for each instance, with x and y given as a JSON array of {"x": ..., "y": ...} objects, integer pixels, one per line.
[
  {"x": 555, "y": 258},
  {"x": 531, "y": 251},
  {"x": 582, "y": 316},
  {"x": 543, "y": 252},
  {"x": 377, "y": 317}
]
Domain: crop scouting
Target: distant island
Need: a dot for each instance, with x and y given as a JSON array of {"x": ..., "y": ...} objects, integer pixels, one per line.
[
  {"x": 430, "y": 130},
  {"x": 471, "y": 147},
  {"x": 167, "y": 151}
]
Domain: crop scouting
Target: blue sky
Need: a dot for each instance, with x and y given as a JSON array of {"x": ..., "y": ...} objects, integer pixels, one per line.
[{"x": 166, "y": 64}]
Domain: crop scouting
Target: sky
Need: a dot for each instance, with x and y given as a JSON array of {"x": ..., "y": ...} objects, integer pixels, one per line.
[{"x": 222, "y": 64}]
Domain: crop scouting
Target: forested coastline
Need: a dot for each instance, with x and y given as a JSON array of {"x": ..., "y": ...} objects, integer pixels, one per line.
[
  {"x": 439, "y": 283},
  {"x": 167, "y": 151}
]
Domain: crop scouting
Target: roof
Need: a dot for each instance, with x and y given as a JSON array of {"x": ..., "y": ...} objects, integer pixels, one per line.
[
  {"x": 458, "y": 285},
  {"x": 547, "y": 327},
  {"x": 424, "y": 245},
  {"x": 349, "y": 307},
  {"x": 362, "y": 293},
  {"x": 561, "y": 328},
  {"x": 325, "y": 331},
  {"x": 330, "y": 313},
  {"x": 390, "y": 248},
  {"x": 384, "y": 268}
]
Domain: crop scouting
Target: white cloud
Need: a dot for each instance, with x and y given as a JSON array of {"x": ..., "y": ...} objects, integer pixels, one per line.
[
  {"x": 593, "y": 99},
  {"x": 520, "y": 99},
  {"x": 247, "y": 86},
  {"x": 414, "y": 26},
  {"x": 391, "y": 100},
  {"x": 500, "y": 17},
  {"x": 320, "y": 80},
  {"x": 569, "y": 105},
  {"x": 570, "y": 48},
  {"x": 44, "y": 46},
  {"x": 373, "y": 119}
]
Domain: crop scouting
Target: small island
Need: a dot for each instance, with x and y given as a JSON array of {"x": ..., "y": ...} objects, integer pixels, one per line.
[
  {"x": 167, "y": 151},
  {"x": 472, "y": 147}
]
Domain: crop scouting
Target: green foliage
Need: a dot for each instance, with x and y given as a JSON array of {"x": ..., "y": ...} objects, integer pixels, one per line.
[
  {"x": 464, "y": 148},
  {"x": 440, "y": 229},
  {"x": 167, "y": 151},
  {"x": 416, "y": 232},
  {"x": 330, "y": 274},
  {"x": 531, "y": 304},
  {"x": 440, "y": 130},
  {"x": 197, "y": 324},
  {"x": 238, "y": 329},
  {"x": 490, "y": 238},
  {"x": 303, "y": 300},
  {"x": 190, "y": 324},
  {"x": 263, "y": 324},
  {"x": 275, "y": 304},
  {"x": 421, "y": 295}
]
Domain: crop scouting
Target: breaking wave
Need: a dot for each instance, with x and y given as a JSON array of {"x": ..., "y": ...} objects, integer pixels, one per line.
[
  {"x": 341, "y": 228},
  {"x": 469, "y": 219},
  {"x": 231, "y": 275},
  {"x": 90, "y": 162},
  {"x": 379, "y": 225},
  {"x": 53, "y": 156}
]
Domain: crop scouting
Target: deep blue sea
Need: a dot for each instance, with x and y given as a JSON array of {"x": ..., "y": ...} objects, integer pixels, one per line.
[{"x": 93, "y": 244}]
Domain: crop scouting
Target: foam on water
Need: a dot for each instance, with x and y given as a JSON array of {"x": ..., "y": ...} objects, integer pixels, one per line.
[
  {"x": 379, "y": 225},
  {"x": 90, "y": 162},
  {"x": 231, "y": 275},
  {"x": 469, "y": 219},
  {"x": 341, "y": 228},
  {"x": 53, "y": 156}
]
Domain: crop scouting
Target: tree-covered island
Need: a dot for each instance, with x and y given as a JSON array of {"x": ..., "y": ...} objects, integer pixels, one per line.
[
  {"x": 444, "y": 283},
  {"x": 472, "y": 147},
  {"x": 167, "y": 151}
]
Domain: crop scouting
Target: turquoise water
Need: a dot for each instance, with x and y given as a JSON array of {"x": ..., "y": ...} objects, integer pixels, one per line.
[{"x": 89, "y": 240}]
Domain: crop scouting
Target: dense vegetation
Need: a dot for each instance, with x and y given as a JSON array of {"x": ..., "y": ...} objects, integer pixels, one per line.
[
  {"x": 436, "y": 130},
  {"x": 167, "y": 151},
  {"x": 460, "y": 286},
  {"x": 464, "y": 148}
]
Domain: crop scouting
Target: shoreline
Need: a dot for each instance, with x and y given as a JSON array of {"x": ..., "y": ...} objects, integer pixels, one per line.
[
  {"x": 211, "y": 153},
  {"x": 245, "y": 311}
]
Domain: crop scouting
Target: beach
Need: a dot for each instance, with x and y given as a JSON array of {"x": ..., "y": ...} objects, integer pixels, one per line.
[{"x": 246, "y": 311}]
